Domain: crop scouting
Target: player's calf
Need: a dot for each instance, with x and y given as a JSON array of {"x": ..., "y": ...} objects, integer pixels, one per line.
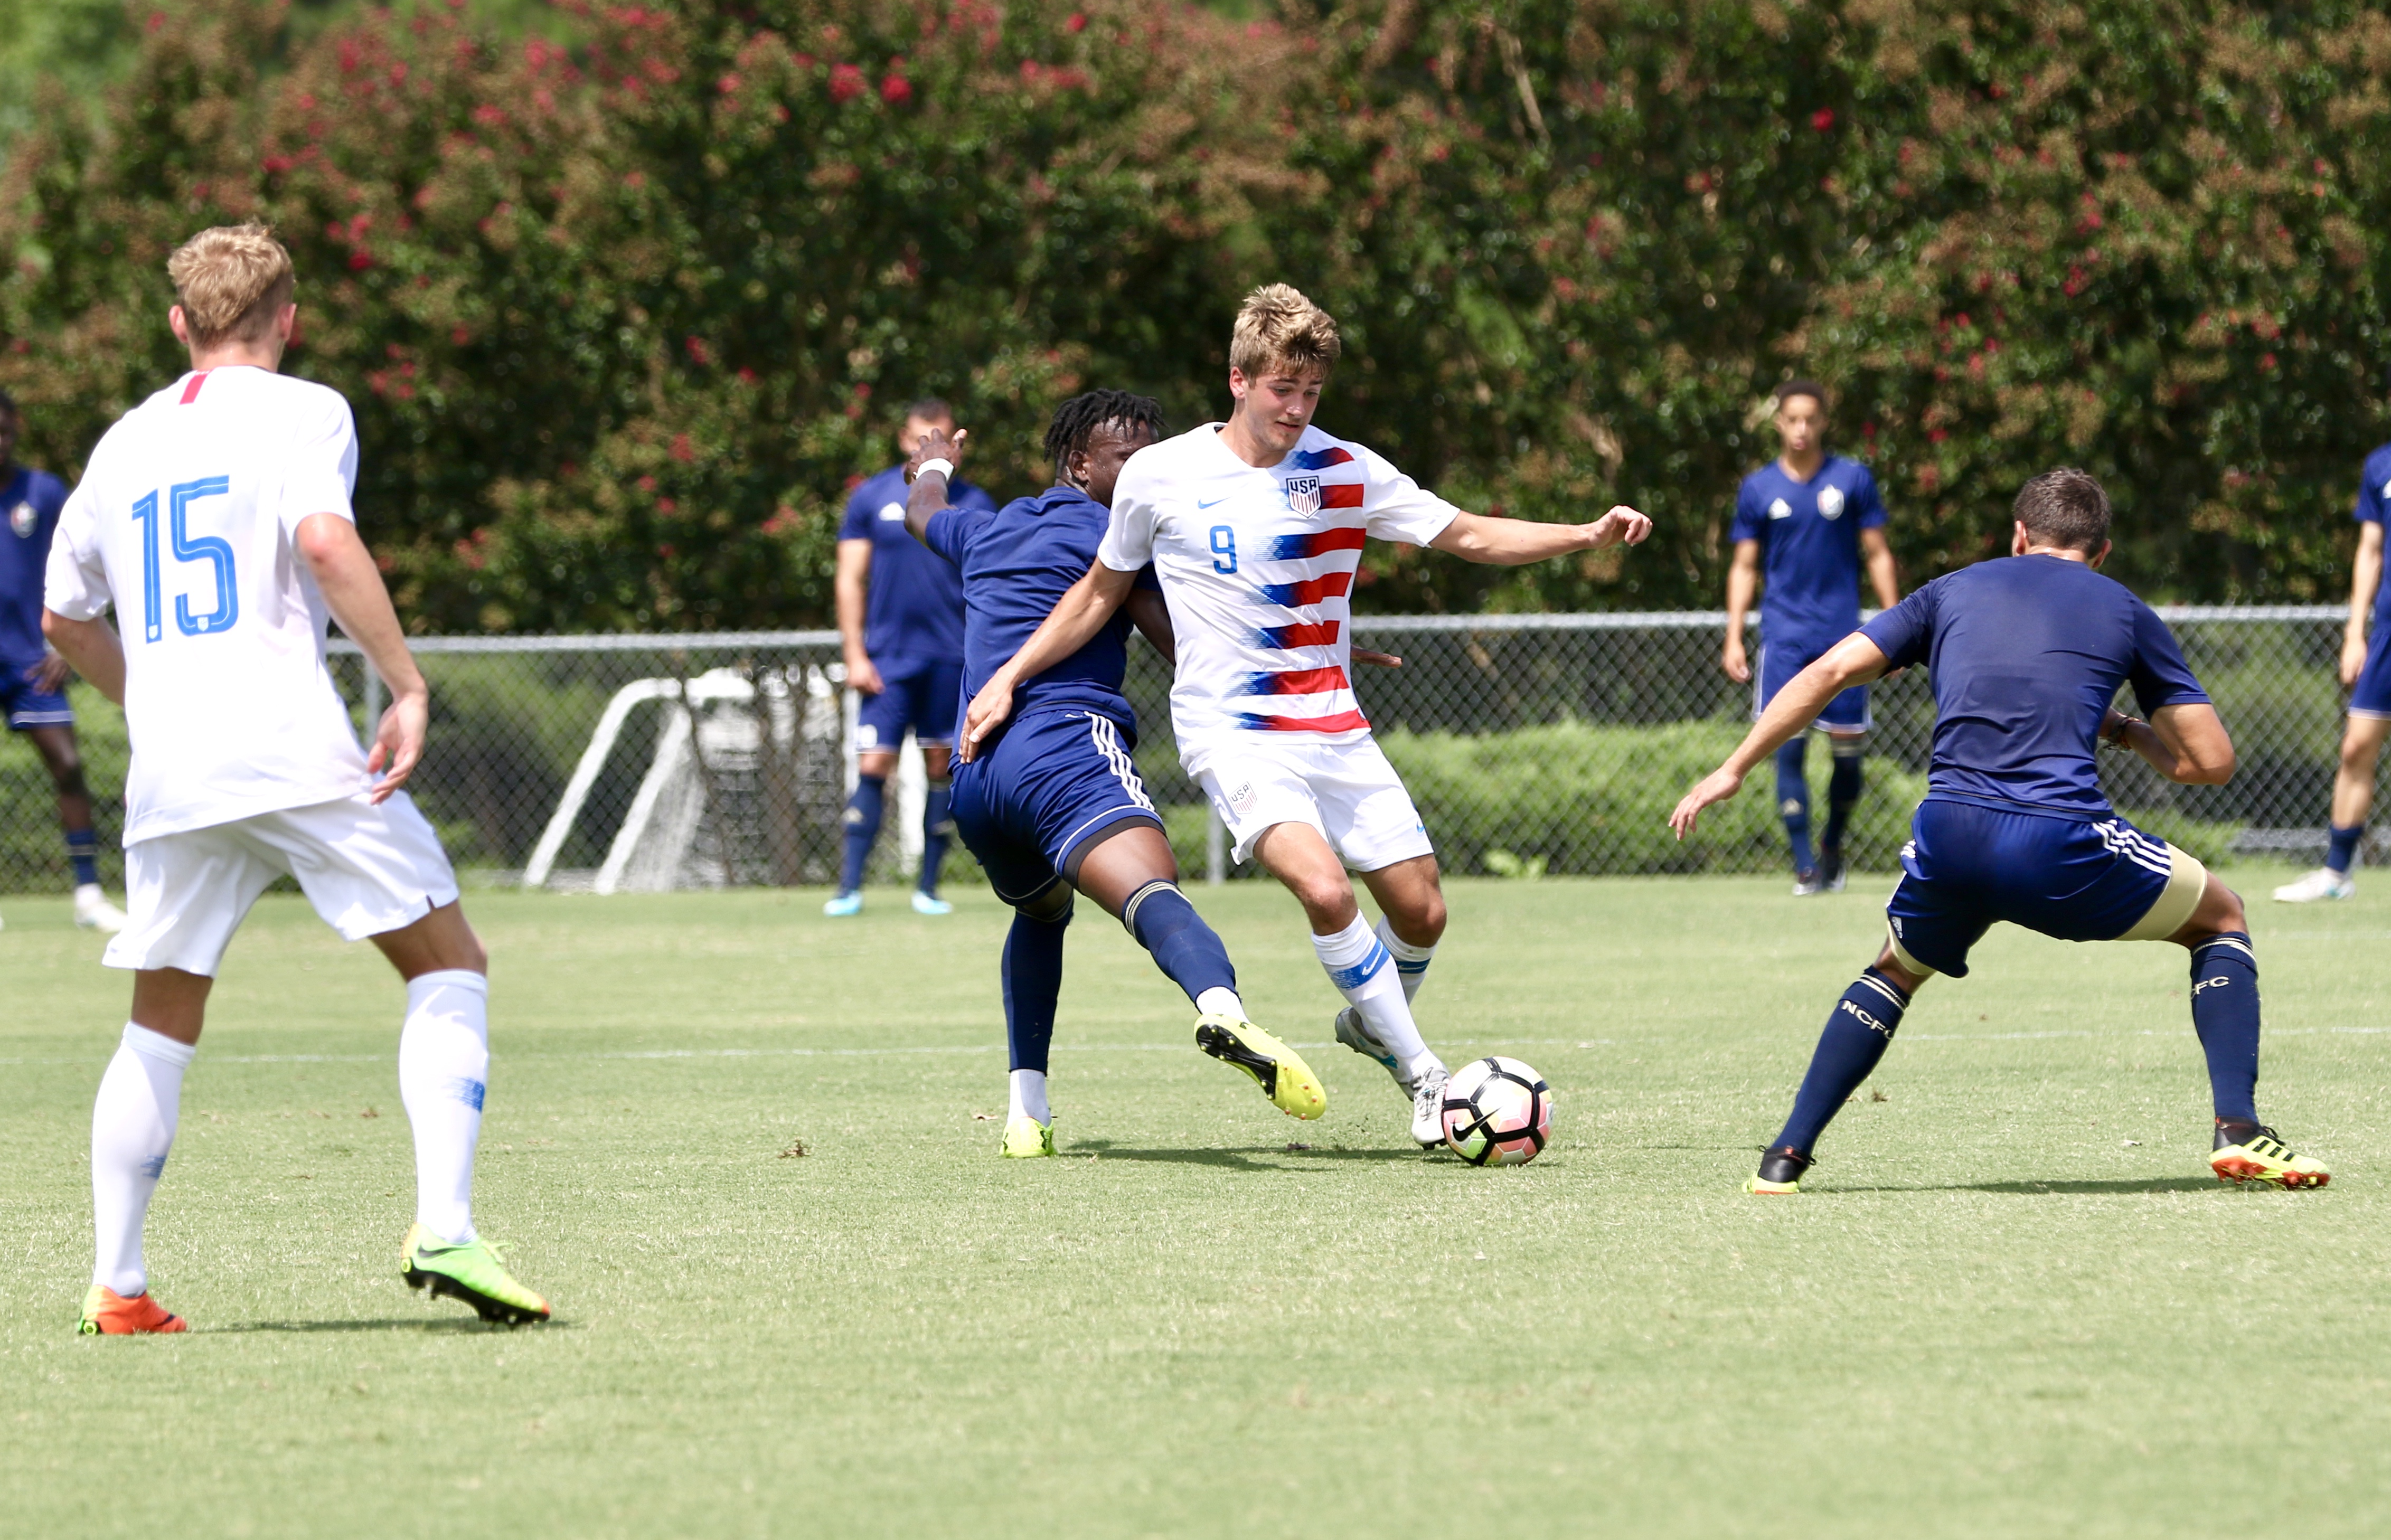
[{"x": 1858, "y": 1032}]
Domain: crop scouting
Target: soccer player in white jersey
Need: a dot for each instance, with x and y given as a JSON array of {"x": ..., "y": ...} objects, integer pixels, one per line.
[
  {"x": 1255, "y": 528},
  {"x": 215, "y": 519}
]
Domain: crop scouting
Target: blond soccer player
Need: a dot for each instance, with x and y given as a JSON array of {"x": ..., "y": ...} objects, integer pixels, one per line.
[
  {"x": 214, "y": 520},
  {"x": 1255, "y": 528}
]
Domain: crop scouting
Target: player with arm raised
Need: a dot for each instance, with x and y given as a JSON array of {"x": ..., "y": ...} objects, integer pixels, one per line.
[
  {"x": 900, "y": 616},
  {"x": 215, "y": 519},
  {"x": 1051, "y": 802},
  {"x": 2027, "y": 655},
  {"x": 1812, "y": 520},
  {"x": 2366, "y": 674},
  {"x": 1255, "y": 528}
]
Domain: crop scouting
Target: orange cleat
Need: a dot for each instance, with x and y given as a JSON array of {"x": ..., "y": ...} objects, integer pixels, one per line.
[{"x": 108, "y": 1313}]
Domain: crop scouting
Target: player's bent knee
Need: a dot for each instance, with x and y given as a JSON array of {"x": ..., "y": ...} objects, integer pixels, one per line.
[{"x": 1050, "y": 905}]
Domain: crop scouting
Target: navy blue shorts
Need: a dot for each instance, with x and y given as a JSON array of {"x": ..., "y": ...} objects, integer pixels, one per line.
[
  {"x": 925, "y": 699},
  {"x": 1967, "y": 866},
  {"x": 2372, "y": 695},
  {"x": 1780, "y": 661},
  {"x": 26, "y": 706},
  {"x": 1055, "y": 785}
]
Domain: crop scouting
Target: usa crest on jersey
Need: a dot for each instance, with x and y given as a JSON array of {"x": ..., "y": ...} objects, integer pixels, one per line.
[
  {"x": 21, "y": 519},
  {"x": 1303, "y": 495}
]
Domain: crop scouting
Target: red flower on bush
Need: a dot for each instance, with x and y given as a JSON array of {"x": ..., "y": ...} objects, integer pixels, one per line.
[
  {"x": 846, "y": 83},
  {"x": 1823, "y": 119},
  {"x": 698, "y": 352},
  {"x": 1078, "y": 22},
  {"x": 896, "y": 90}
]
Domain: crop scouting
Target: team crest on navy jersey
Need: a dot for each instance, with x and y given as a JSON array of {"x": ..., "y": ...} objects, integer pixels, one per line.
[
  {"x": 1780, "y": 509},
  {"x": 21, "y": 519},
  {"x": 1303, "y": 495},
  {"x": 1831, "y": 502}
]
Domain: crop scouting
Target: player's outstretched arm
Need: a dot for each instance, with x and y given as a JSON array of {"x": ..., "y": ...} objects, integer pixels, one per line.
[
  {"x": 1078, "y": 615},
  {"x": 352, "y": 588},
  {"x": 92, "y": 647},
  {"x": 1853, "y": 660},
  {"x": 1516, "y": 542},
  {"x": 2187, "y": 744}
]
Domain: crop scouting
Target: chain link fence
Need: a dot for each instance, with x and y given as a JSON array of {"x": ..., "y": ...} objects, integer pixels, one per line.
[{"x": 1532, "y": 744}]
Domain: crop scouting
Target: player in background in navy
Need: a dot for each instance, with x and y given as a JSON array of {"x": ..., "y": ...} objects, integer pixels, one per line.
[
  {"x": 900, "y": 613},
  {"x": 1053, "y": 803},
  {"x": 2025, "y": 656},
  {"x": 1804, "y": 526},
  {"x": 32, "y": 675},
  {"x": 2366, "y": 674}
]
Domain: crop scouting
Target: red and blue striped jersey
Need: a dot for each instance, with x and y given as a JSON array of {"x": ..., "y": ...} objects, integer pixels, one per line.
[{"x": 1258, "y": 566}]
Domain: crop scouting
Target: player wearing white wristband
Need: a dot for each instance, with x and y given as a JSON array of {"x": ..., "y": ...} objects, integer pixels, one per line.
[
  {"x": 1255, "y": 528},
  {"x": 214, "y": 520}
]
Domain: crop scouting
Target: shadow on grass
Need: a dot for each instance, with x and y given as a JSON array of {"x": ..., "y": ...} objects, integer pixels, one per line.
[
  {"x": 2058, "y": 1189},
  {"x": 412, "y": 1323},
  {"x": 1236, "y": 1159}
]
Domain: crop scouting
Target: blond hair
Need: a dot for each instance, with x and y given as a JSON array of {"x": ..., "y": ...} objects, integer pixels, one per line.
[
  {"x": 1278, "y": 328},
  {"x": 232, "y": 282}
]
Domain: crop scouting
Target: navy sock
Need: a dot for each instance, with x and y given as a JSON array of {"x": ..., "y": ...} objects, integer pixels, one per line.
[
  {"x": 863, "y": 828},
  {"x": 1032, "y": 971},
  {"x": 1183, "y": 946},
  {"x": 1842, "y": 793},
  {"x": 2225, "y": 1014},
  {"x": 2340, "y": 850},
  {"x": 1855, "y": 1036},
  {"x": 938, "y": 827},
  {"x": 1793, "y": 802},
  {"x": 82, "y": 849}
]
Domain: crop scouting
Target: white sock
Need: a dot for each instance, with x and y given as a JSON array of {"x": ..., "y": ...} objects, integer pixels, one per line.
[
  {"x": 131, "y": 1128},
  {"x": 444, "y": 1067},
  {"x": 1363, "y": 971},
  {"x": 1218, "y": 1001},
  {"x": 1410, "y": 961},
  {"x": 1029, "y": 1096}
]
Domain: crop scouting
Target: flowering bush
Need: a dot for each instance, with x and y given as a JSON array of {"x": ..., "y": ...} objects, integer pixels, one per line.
[{"x": 623, "y": 319}]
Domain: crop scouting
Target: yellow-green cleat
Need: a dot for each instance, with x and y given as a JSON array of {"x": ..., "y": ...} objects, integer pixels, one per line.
[
  {"x": 471, "y": 1272},
  {"x": 2260, "y": 1155},
  {"x": 1026, "y": 1139},
  {"x": 1278, "y": 1069}
]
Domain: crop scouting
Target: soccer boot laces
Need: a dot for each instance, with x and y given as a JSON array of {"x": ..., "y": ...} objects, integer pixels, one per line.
[
  {"x": 1028, "y": 1139},
  {"x": 2322, "y": 882},
  {"x": 471, "y": 1272},
  {"x": 1781, "y": 1174},
  {"x": 1278, "y": 1069},
  {"x": 1428, "y": 1108},
  {"x": 2255, "y": 1153},
  {"x": 108, "y": 1313},
  {"x": 1355, "y": 1033}
]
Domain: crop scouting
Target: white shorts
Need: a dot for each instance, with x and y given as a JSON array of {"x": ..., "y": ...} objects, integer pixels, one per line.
[
  {"x": 1348, "y": 792},
  {"x": 365, "y": 868}
]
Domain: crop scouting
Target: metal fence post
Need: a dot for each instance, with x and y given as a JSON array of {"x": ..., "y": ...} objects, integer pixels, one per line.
[
  {"x": 1216, "y": 846},
  {"x": 372, "y": 698}
]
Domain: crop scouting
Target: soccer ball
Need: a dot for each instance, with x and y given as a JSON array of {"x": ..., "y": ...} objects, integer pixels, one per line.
[{"x": 1497, "y": 1112}]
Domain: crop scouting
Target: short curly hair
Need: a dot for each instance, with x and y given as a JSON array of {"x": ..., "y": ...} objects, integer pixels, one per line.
[
  {"x": 1277, "y": 327},
  {"x": 1076, "y": 421}
]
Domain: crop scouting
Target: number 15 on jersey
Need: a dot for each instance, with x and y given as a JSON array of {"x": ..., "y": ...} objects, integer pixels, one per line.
[{"x": 186, "y": 549}]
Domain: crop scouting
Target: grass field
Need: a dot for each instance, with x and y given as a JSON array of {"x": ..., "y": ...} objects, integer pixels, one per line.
[{"x": 2013, "y": 1303}]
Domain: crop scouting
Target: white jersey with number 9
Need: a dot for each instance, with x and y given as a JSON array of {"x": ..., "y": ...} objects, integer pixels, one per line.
[{"x": 185, "y": 523}]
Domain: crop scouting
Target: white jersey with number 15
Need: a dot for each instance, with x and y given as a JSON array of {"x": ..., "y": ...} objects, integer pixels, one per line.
[
  {"x": 185, "y": 523},
  {"x": 1258, "y": 566}
]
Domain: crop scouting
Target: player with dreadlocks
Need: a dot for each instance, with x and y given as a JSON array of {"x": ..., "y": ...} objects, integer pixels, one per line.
[{"x": 1054, "y": 806}]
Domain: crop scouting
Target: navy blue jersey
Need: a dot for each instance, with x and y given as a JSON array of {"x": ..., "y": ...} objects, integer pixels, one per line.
[
  {"x": 31, "y": 500},
  {"x": 2025, "y": 654},
  {"x": 913, "y": 607},
  {"x": 1017, "y": 561},
  {"x": 2373, "y": 501},
  {"x": 1809, "y": 534}
]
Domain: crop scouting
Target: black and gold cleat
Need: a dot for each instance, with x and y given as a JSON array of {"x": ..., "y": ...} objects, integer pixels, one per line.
[
  {"x": 1282, "y": 1074},
  {"x": 1779, "y": 1174}
]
